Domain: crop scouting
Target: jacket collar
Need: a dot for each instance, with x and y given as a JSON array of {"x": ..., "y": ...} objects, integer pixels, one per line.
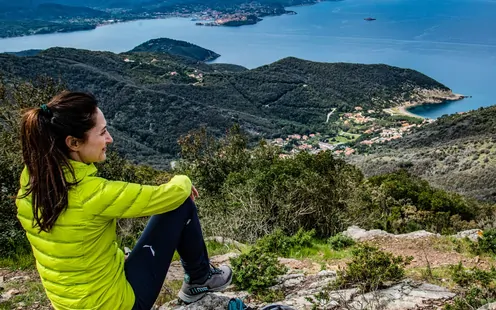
[{"x": 82, "y": 170}]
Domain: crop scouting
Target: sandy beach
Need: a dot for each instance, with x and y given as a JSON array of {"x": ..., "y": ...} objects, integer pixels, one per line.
[{"x": 403, "y": 108}]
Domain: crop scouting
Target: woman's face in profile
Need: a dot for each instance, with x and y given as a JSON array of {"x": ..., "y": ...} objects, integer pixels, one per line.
[{"x": 97, "y": 138}]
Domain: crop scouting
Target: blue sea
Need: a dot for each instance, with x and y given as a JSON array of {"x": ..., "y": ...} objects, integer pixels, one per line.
[{"x": 452, "y": 41}]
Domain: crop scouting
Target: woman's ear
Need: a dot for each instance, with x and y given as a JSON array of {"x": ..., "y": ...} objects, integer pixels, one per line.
[{"x": 73, "y": 143}]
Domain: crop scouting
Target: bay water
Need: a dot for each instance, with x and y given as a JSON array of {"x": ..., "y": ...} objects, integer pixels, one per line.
[{"x": 452, "y": 41}]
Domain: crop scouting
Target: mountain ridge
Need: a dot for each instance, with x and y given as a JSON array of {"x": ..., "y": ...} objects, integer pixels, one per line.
[{"x": 147, "y": 95}]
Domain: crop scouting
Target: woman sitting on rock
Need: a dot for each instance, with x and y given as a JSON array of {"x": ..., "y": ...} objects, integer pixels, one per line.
[{"x": 69, "y": 215}]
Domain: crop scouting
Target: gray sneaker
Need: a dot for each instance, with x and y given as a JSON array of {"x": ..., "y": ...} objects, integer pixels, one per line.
[{"x": 218, "y": 280}]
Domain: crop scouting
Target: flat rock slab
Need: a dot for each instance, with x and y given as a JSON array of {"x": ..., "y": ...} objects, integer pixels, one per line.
[
  {"x": 405, "y": 295},
  {"x": 359, "y": 234},
  {"x": 209, "y": 302},
  {"x": 303, "y": 282},
  {"x": 491, "y": 306}
]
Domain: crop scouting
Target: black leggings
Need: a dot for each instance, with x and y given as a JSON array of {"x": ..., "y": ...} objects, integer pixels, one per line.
[{"x": 148, "y": 263}]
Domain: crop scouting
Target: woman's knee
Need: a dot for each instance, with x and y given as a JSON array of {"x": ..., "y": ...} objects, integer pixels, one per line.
[{"x": 189, "y": 204}]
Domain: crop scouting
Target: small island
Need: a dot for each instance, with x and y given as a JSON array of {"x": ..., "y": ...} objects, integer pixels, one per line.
[{"x": 176, "y": 47}]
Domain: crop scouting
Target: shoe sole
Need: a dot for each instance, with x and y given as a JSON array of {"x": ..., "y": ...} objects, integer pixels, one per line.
[{"x": 192, "y": 298}]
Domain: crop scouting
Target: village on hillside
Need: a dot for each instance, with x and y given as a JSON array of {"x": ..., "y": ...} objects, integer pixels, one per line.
[{"x": 358, "y": 128}]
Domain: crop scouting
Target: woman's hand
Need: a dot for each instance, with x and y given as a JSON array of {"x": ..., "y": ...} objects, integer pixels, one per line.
[{"x": 194, "y": 193}]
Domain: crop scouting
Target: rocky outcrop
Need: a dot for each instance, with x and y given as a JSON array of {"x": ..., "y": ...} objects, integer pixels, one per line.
[
  {"x": 306, "y": 286},
  {"x": 420, "y": 96},
  {"x": 301, "y": 293},
  {"x": 358, "y": 234},
  {"x": 209, "y": 302},
  {"x": 472, "y": 234},
  {"x": 491, "y": 306}
]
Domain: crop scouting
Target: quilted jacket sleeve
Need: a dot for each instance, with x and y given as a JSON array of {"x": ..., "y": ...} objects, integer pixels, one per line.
[{"x": 115, "y": 199}]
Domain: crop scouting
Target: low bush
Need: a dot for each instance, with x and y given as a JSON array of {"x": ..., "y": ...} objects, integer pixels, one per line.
[
  {"x": 340, "y": 242},
  {"x": 281, "y": 244},
  {"x": 256, "y": 270},
  {"x": 476, "y": 287},
  {"x": 487, "y": 242},
  {"x": 370, "y": 268}
]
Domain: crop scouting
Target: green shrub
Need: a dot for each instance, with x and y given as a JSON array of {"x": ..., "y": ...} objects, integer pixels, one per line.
[
  {"x": 270, "y": 296},
  {"x": 407, "y": 203},
  {"x": 487, "y": 242},
  {"x": 256, "y": 270},
  {"x": 477, "y": 287},
  {"x": 281, "y": 244},
  {"x": 340, "y": 242},
  {"x": 371, "y": 268},
  {"x": 256, "y": 191},
  {"x": 464, "y": 277}
]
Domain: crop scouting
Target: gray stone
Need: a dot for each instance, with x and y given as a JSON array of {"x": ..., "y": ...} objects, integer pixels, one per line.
[
  {"x": 405, "y": 295},
  {"x": 327, "y": 273},
  {"x": 289, "y": 281},
  {"x": 472, "y": 234},
  {"x": 491, "y": 306},
  {"x": 417, "y": 235},
  {"x": 209, "y": 302},
  {"x": 9, "y": 294},
  {"x": 19, "y": 278},
  {"x": 358, "y": 234}
]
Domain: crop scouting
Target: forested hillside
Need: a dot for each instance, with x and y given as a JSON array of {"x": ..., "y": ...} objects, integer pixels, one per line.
[
  {"x": 456, "y": 153},
  {"x": 152, "y": 99}
]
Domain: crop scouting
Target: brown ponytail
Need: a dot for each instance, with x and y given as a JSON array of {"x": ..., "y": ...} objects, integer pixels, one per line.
[{"x": 45, "y": 153}]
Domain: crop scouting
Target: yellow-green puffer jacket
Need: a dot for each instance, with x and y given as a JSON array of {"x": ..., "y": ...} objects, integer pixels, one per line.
[{"x": 80, "y": 264}]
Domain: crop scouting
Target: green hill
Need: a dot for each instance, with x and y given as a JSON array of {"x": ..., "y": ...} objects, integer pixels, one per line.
[
  {"x": 175, "y": 47},
  {"x": 456, "y": 153},
  {"x": 151, "y": 99}
]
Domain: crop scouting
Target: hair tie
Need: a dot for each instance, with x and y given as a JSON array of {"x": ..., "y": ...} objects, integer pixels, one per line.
[{"x": 46, "y": 110}]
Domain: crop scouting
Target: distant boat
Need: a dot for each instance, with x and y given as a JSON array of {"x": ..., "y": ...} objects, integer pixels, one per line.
[{"x": 369, "y": 19}]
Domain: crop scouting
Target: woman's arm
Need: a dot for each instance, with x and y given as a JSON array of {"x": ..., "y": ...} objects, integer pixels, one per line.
[{"x": 115, "y": 199}]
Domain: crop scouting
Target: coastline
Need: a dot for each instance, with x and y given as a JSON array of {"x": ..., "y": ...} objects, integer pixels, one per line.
[
  {"x": 403, "y": 109},
  {"x": 63, "y": 27}
]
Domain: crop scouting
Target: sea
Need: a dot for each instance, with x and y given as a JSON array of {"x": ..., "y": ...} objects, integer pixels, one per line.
[{"x": 452, "y": 41}]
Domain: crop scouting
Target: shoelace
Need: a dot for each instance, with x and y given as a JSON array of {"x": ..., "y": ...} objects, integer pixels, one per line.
[{"x": 213, "y": 270}]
